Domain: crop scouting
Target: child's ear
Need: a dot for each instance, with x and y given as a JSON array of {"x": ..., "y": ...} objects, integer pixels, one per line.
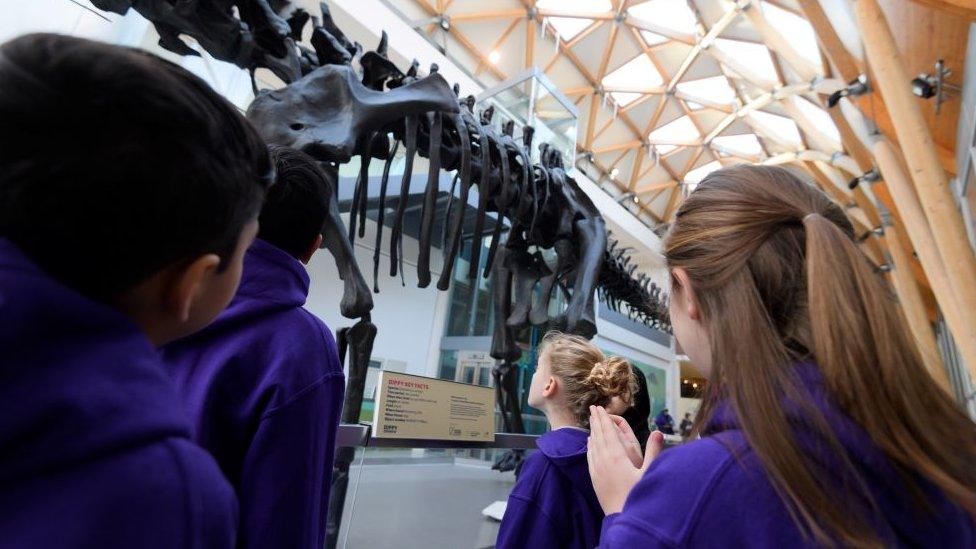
[
  {"x": 190, "y": 283},
  {"x": 311, "y": 250},
  {"x": 550, "y": 389}
]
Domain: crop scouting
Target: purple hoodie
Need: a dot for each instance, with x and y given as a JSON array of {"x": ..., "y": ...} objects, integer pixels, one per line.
[
  {"x": 713, "y": 492},
  {"x": 264, "y": 388},
  {"x": 95, "y": 448},
  {"x": 553, "y": 504}
]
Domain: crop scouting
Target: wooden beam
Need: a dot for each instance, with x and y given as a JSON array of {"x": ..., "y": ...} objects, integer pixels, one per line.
[
  {"x": 779, "y": 44},
  {"x": 845, "y": 63},
  {"x": 497, "y": 43},
  {"x": 635, "y": 170},
  {"x": 615, "y": 147},
  {"x": 914, "y": 310},
  {"x": 962, "y": 8},
  {"x": 464, "y": 41},
  {"x": 591, "y": 121},
  {"x": 655, "y": 187},
  {"x": 669, "y": 210},
  {"x": 923, "y": 239},
  {"x": 925, "y": 169},
  {"x": 486, "y": 15},
  {"x": 530, "y": 30}
]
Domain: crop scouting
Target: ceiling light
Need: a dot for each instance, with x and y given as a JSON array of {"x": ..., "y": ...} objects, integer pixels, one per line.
[
  {"x": 636, "y": 200},
  {"x": 615, "y": 172},
  {"x": 494, "y": 57}
]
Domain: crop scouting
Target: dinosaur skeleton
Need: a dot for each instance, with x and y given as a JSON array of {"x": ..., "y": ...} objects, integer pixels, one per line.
[{"x": 333, "y": 111}]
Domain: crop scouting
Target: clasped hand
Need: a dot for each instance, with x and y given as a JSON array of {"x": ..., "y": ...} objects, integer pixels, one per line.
[{"x": 614, "y": 458}]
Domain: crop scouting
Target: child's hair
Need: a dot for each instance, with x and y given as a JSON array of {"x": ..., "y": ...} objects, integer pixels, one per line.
[
  {"x": 297, "y": 205},
  {"x": 589, "y": 378},
  {"x": 778, "y": 280},
  {"x": 115, "y": 164}
]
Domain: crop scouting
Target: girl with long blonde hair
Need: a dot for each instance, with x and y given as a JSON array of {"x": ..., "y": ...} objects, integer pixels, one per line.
[{"x": 820, "y": 426}]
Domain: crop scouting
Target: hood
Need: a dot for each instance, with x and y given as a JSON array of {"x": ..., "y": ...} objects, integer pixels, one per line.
[
  {"x": 271, "y": 280},
  {"x": 566, "y": 450},
  {"x": 77, "y": 378},
  {"x": 851, "y": 436}
]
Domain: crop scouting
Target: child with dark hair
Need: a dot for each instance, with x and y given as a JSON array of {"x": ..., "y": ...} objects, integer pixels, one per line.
[
  {"x": 129, "y": 191},
  {"x": 263, "y": 383}
]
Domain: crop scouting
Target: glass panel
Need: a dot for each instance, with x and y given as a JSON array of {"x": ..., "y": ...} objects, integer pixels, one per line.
[
  {"x": 672, "y": 14},
  {"x": 421, "y": 498}
]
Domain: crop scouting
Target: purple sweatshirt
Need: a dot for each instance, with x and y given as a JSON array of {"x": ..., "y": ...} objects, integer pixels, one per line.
[
  {"x": 713, "y": 492},
  {"x": 95, "y": 448},
  {"x": 264, "y": 388},
  {"x": 553, "y": 504}
]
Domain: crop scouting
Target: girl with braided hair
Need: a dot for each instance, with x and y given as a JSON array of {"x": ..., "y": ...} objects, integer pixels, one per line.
[{"x": 553, "y": 504}]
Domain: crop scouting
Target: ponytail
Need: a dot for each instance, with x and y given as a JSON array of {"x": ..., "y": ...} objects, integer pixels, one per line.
[{"x": 779, "y": 281}]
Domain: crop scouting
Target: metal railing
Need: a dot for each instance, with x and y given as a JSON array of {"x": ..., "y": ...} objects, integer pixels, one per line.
[{"x": 359, "y": 436}]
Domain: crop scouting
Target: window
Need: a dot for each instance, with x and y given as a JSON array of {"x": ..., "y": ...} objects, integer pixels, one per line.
[
  {"x": 568, "y": 27},
  {"x": 637, "y": 74},
  {"x": 746, "y": 145},
  {"x": 679, "y": 132},
  {"x": 694, "y": 177},
  {"x": 796, "y": 29},
  {"x": 715, "y": 89},
  {"x": 671, "y": 14},
  {"x": 779, "y": 127},
  {"x": 755, "y": 58}
]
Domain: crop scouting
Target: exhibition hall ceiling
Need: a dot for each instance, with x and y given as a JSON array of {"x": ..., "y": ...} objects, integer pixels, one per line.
[{"x": 670, "y": 90}]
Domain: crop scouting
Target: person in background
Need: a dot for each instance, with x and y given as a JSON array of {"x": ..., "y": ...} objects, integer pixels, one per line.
[
  {"x": 685, "y": 427},
  {"x": 553, "y": 504},
  {"x": 664, "y": 422},
  {"x": 820, "y": 425},
  {"x": 637, "y": 412},
  {"x": 129, "y": 191},
  {"x": 263, "y": 383}
]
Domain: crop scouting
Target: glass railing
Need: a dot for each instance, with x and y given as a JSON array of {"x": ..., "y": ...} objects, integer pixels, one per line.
[{"x": 423, "y": 493}]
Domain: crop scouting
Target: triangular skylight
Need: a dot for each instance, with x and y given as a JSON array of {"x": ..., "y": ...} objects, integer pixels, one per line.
[
  {"x": 665, "y": 149},
  {"x": 797, "y": 30},
  {"x": 653, "y": 38},
  {"x": 820, "y": 119},
  {"x": 679, "y": 132},
  {"x": 754, "y": 57},
  {"x": 780, "y": 127},
  {"x": 694, "y": 106},
  {"x": 671, "y": 14},
  {"x": 568, "y": 27},
  {"x": 715, "y": 89},
  {"x": 636, "y": 74},
  {"x": 694, "y": 177},
  {"x": 746, "y": 145}
]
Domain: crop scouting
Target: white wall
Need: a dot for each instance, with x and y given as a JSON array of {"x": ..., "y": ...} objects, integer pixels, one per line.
[{"x": 410, "y": 320}]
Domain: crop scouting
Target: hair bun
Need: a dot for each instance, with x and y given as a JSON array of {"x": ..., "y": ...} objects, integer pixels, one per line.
[{"x": 611, "y": 377}]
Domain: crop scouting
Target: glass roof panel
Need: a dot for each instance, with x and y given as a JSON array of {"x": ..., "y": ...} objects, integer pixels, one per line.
[
  {"x": 779, "y": 126},
  {"x": 638, "y": 73},
  {"x": 653, "y": 38},
  {"x": 665, "y": 149},
  {"x": 714, "y": 88},
  {"x": 799, "y": 31},
  {"x": 672, "y": 14},
  {"x": 694, "y": 106},
  {"x": 754, "y": 57},
  {"x": 624, "y": 98},
  {"x": 747, "y": 144},
  {"x": 568, "y": 27},
  {"x": 694, "y": 177},
  {"x": 680, "y": 131},
  {"x": 820, "y": 119}
]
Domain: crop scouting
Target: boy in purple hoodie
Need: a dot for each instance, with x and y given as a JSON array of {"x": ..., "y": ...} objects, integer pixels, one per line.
[
  {"x": 263, "y": 384},
  {"x": 553, "y": 504},
  {"x": 129, "y": 191}
]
